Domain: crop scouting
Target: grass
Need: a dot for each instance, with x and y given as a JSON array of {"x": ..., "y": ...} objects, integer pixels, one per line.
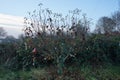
[
  {"x": 101, "y": 73},
  {"x": 84, "y": 73}
]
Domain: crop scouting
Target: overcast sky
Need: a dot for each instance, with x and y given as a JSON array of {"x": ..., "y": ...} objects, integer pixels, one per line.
[{"x": 12, "y": 12}]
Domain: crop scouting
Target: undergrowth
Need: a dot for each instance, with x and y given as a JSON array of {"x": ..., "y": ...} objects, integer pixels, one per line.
[{"x": 70, "y": 73}]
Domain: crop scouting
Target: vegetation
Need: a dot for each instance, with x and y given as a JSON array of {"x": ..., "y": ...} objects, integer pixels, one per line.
[{"x": 57, "y": 47}]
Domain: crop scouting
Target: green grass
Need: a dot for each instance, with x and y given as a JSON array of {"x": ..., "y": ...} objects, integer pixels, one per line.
[
  {"x": 85, "y": 72},
  {"x": 33, "y": 74},
  {"x": 103, "y": 73}
]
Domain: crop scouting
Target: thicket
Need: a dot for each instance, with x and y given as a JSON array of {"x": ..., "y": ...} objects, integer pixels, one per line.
[{"x": 52, "y": 39}]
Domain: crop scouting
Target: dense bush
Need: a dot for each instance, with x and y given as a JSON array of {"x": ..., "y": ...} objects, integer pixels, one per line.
[
  {"x": 7, "y": 51},
  {"x": 99, "y": 49},
  {"x": 95, "y": 50}
]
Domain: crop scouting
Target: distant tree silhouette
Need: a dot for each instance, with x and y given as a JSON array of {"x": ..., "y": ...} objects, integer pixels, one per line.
[
  {"x": 105, "y": 25},
  {"x": 116, "y": 19},
  {"x": 2, "y": 32}
]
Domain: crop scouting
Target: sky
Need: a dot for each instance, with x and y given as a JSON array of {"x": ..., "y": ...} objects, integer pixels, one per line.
[{"x": 12, "y": 12}]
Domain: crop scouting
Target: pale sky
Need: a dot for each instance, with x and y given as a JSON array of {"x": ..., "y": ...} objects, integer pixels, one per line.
[
  {"x": 12, "y": 12},
  {"x": 13, "y": 25}
]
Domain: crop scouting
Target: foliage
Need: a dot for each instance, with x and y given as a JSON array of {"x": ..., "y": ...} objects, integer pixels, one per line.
[
  {"x": 52, "y": 39},
  {"x": 7, "y": 51},
  {"x": 51, "y": 32},
  {"x": 63, "y": 41}
]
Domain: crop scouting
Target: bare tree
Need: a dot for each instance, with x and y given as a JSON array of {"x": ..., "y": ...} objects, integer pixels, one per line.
[
  {"x": 105, "y": 25},
  {"x": 116, "y": 18}
]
